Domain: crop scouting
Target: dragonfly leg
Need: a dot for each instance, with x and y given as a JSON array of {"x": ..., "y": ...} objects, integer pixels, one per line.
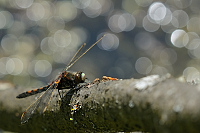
[
  {"x": 87, "y": 80},
  {"x": 76, "y": 88},
  {"x": 69, "y": 92},
  {"x": 60, "y": 94}
]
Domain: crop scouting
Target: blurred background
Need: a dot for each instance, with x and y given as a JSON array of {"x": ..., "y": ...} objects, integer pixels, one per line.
[{"x": 38, "y": 38}]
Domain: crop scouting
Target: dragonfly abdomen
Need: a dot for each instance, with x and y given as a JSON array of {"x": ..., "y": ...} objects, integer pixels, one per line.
[{"x": 32, "y": 92}]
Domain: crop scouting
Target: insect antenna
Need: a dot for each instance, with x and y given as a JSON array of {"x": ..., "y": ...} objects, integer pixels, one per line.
[
  {"x": 75, "y": 55},
  {"x": 74, "y": 59}
]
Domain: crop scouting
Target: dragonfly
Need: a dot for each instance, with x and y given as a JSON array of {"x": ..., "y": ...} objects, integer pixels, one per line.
[{"x": 65, "y": 80}]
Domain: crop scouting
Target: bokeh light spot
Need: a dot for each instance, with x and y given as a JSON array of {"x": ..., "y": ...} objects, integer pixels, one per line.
[
  {"x": 62, "y": 38},
  {"x": 40, "y": 68},
  {"x": 55, "y": 23},
  {"x": 179, "y": 38},
  {"x": 121, "y": 22},
  {"x": 191, "y": 36},
  {"x": 35, "y": 12},
  {"x": 2, "y": 20},
  {"x": 9, "y": 43},
  {"x": 149, "y": 26},
  {"x": 143, "y": 65},
  {"x": 195, "y": 53},
  {"x": 3, "y": 62},
  {"x": 44, "y": 46},
  {"x": 182, "y": 3},
  {"x": 168, "y": 17},
  {"x": 157, "y": 11},
  {"x": 18, "y": 28},
  {"x": 94, "y": 9},
  {"x": 182, "y": 18},
  {"x": 6, "y": 19},
  {"x": 110, "y": 42},
  {"x": 168, "y": 56},
  {"x": 159, "y": 70},
  {"x": 81, "y": 4},
  {"x": 14, "y": 66},
  {"x": 191, "y": 74},
  {"x": 171, "y": 26},
  {"x": 78, "y": 35},
  {"x": 43, "y": 68},
  {"x": 66, "y": 10},
  {"x": 24, "y": 3},
  {"x": 192, "y": 25}
]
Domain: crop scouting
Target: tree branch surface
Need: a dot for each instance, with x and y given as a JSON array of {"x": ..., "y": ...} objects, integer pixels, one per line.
[{"x": 150, "y": 104}]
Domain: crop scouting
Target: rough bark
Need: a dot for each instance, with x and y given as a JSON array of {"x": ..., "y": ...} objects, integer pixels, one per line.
[{"x": 150, "y": 104}]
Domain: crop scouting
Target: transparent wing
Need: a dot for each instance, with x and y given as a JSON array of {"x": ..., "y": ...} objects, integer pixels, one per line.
[{"x": 40, "y": 104}]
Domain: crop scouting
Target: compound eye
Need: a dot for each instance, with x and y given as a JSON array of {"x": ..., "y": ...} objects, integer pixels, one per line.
[{"x": 83, "y": 77}]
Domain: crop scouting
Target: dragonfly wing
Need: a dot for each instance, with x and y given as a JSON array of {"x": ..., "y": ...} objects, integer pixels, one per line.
[
  {"x": 30, "y": 111},
  {"x": 46, "y": 98},
  {"x": 40, "y": 104}
]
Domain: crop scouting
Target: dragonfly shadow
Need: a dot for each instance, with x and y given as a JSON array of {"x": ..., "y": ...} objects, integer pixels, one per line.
[{"x": 66, "y": 99}]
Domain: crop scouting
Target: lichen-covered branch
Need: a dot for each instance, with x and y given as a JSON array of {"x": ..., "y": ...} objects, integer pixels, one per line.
[{"x": 150, "y": 104}]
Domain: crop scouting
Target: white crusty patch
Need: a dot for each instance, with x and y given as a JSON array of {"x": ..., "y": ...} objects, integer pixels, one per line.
[{"x": 149, "y": 81}]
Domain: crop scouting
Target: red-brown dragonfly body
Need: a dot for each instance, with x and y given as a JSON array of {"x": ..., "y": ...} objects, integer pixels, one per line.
[{"x": 66, "y": 80}]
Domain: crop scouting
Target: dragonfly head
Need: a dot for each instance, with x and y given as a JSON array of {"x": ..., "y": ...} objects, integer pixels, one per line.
[{"x": 80, "y": 77}]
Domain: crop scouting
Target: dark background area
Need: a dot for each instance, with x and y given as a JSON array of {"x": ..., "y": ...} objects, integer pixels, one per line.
[{"x": 144, "y": 37}]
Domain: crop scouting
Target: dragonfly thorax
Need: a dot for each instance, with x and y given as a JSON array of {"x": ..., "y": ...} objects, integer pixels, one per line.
[{"x": 75, "y": 77}]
